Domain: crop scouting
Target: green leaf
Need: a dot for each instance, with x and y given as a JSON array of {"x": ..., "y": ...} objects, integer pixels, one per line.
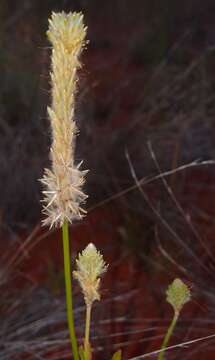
[
  {"x": 82, "y": 353},
  {"x": 85, "y": 355},
  {"x": 117, "y": 355}
]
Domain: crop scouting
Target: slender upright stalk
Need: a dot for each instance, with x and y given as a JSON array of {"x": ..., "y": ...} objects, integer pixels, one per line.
[
  {"x": 87, "y": 332},
  {"x": 167, "y": 336},
  {"x": 68, "y": 285}
]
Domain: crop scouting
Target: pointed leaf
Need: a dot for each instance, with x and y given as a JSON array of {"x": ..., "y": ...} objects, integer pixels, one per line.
[{"x": 117, "y": 355}]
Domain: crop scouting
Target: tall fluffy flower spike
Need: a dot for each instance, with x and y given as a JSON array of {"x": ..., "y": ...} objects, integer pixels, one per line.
[{"x": 63, "y": 193}]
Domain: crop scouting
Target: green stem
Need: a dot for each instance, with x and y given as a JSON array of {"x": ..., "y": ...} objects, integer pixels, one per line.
[
  {"x": 87, "y": 332},
  {"x": 167, "y": 336},
  {"x": 68, "y": 285}
]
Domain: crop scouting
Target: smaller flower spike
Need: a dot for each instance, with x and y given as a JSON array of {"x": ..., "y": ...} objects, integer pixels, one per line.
[
  {"x": 178, "y": 294},
  {"x": 90, "y": 267},
  {"x": 63, "y": 193}
]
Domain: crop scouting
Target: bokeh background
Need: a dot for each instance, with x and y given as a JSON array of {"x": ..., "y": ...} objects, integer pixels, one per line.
[{"x": 145, "y": 107}]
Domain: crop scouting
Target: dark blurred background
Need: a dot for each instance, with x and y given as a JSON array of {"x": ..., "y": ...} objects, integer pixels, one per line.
[{"x": 148, "y": 75}]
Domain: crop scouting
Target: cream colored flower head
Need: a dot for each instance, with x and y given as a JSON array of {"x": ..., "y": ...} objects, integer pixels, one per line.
[
  {"x": 90, "y": 267},
  {"x": 63, "y": 194},
  {"x": 67, "y": 30}
]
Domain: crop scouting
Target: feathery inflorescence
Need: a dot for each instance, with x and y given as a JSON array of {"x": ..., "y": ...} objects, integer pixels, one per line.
[{"x": 63, "y": 193}]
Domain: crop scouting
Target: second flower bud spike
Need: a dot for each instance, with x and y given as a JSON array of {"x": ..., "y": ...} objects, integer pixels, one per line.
[{"x": 90, "y": 267}]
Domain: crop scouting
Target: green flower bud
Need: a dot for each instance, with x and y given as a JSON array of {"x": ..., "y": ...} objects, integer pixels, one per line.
[{"x": 178, "y": 294}]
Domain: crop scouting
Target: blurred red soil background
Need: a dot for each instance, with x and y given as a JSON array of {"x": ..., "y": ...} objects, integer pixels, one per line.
[
  {"x": 148, "y": 76},
  {"x": 133, "y": 314}
]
